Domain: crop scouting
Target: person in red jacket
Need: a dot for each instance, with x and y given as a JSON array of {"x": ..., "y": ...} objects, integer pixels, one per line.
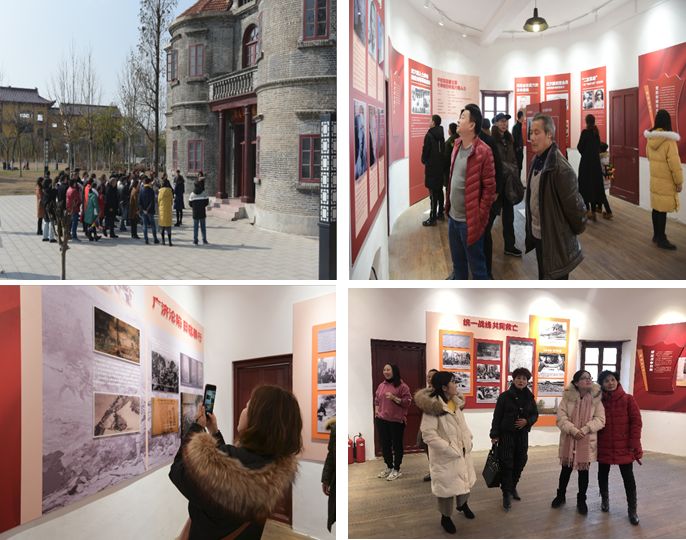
[
  {"x": 619, "y": 443},
  {"x": 391, "y": 403},
  {"x": 470, "y": 194}
]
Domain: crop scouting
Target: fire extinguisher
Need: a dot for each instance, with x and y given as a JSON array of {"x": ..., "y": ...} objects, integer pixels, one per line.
[
  {"x": 351, "y": 455},
  {"x": 360, "y": 454}
]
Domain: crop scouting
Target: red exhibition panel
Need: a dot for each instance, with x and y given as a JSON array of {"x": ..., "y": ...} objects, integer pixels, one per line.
[
  {"x": 421, "y": 96},
  {"x": 527, "y": 92},
  {"x": 10, "y": 408},
  {"x": 660, "y": 374},
  {"x": 558, "y": 87},
  {"x": 594, "y": 99},
  {"x": 396, "y": 105},
  {"x": 661, "y": 77}
]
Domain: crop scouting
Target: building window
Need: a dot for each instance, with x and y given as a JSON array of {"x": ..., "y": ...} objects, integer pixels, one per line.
[
  {"x": 175, "y": 155},
  {"x": 244, "y": 2},
  {"x": 197, "y": 60},
  {"x": 316, "y": 20},
  {"x": 172, "y": 65},
  {"x": 493, "y": 103},
  {"x": 196, "y": 155},
  {"x": 39, "y": 117},
  {"x": 251, "y": 40},
  {"x": 310, "y": 158},
  {"x": 597, "y": 356},
  {"x": 257, "y": 157},
  {"x": 25, "y": 116}
]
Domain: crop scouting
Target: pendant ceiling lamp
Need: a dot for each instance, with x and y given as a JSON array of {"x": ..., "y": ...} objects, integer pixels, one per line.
[{"x": 535, "y": 23}]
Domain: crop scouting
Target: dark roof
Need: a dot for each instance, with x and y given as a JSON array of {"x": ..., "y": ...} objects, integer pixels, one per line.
[
  {"x": 203, "y": 6},
  {"x": 78, "y": 109},
  {"x": 22, "y": 95}
]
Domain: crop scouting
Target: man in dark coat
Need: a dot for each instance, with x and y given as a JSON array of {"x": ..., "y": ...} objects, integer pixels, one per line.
[
  {"x": 515, "y": 413},
  {"x": 434, "y": 168},
  {"x": 146, "y": 205},
  {"x": 111, "y": 206},
  {"x": 329, "y": 474},
  {"x": 555, "y": 212},
  {"x": 518, "y": 136}
]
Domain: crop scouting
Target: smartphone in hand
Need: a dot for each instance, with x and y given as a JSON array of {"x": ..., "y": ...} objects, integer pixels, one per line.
[{"x": 208, "y": 399}]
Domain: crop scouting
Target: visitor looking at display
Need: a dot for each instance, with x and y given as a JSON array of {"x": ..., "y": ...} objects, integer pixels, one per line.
[
  {"x": 666, "y": 175},
  {"x": 591, "y": 184},
  {"x": 391, "y": 403},
  {"x": 433, "y": 160},
  {"x": 580, "y": 416},
  {"x": 234, "y": 488}
]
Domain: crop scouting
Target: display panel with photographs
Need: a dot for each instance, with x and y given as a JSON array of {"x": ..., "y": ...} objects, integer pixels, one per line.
[
  {"x": 489, "y": 373},
  {"x": 360, "y": 18},
  {"x": 552, "y": 333},
  {"x": 360, "y": 128},
  {"x": 326, "y": 410},
  {"x": 115, "y": 414},
  {"x": 550, "y": 387},
  {"x": 114, "y": 337},
  {"x": 488, "y": 351},
  {"x": 421, "y": 100},
  {"x": 165, "y": 373},
  {"x": 551, "y": 365},
  {"x": 487, "y": 394},
  {"x": 463, "y": 380},
  {"x": 192, "y": 371},
  {"x": 326, "y": 373},
  {"x": 457, "y": 359},
  {"x": 165, "y": 416},
  {"x": 190, "y": 404}
]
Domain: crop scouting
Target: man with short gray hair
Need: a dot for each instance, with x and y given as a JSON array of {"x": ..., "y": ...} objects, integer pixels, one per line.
[{"x": 555, "y": 211}]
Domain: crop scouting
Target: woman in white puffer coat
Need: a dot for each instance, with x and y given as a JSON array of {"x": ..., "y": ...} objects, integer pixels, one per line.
[{"x": 445, "y": 431}]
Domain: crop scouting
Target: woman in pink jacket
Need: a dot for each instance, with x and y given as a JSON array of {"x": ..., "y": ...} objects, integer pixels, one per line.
[{"x": 391, "y": 403}]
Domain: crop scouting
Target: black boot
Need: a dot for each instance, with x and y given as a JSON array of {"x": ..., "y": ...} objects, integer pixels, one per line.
[
  {"x": 581, "y": 504},
  {"x": 163, "y": 241},
  {"x": 560, "y": 499},
  {"x": 466, "y": 511},
  {"x": 604, "y": 500},
  {"x": 448, "y": 525},
  {"x": 631, "y": 500},
  {"x": 515, "y": 495},
  {"x": 507, "y": 501},
  {"x": 431, "y": 221}
]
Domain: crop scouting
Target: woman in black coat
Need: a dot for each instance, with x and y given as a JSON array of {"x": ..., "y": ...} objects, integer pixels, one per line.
[
  {"x": 179, "y": 190},
  {"x": 233, "y": 489},
  {"x": 515, "y": 413},
  {"x": 591, "y": 185},
  {"x": 329, "y": 474},
  {"x": 434, "y": 168}
]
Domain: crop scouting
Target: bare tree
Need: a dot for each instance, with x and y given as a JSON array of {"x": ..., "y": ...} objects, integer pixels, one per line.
[
  {"x": 135, "y": 115},
  {"x": 154, "y": 17},
  {"x": 91, "y": 95},
  {"x": 66, "y": 88}
]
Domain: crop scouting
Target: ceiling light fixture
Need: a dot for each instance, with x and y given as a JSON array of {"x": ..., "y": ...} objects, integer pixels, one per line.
[{"x": 535, "y": 23}]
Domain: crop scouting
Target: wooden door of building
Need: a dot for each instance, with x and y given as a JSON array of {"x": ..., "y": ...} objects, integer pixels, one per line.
[
  {"x": 410, "y": 358},
  {"x": 248, "y": 374},
  {"x": 624, "y": 143}
]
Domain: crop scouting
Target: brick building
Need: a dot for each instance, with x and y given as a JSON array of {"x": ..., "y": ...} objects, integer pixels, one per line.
[{"x": 258, "y": 71}]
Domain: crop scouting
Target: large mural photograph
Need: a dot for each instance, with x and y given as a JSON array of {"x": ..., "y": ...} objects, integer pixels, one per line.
[{"x": 116, "y": 338}]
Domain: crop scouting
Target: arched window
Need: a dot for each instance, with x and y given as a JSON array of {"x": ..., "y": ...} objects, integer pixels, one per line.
[{"x": 251, "y": 40}]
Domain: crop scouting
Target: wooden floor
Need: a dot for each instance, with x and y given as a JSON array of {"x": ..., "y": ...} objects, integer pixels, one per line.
[
  {"x": 620, "y": 248},
  {"x": 405, "y": 508},
  {"x": 275, "y": 530}
]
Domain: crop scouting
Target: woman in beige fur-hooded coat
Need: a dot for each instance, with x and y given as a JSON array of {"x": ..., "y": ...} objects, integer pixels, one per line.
[
  {"x": 580, "y": 416},
  {"x": 232, "y": 489},
  {"x": 445, "y": 432}
]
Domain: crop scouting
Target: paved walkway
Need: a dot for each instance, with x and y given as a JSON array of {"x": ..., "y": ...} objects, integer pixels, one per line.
[{"x": 237, "y": 250}]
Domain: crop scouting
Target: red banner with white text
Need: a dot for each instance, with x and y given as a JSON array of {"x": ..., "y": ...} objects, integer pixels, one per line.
[
  {"x": 527, "y": 92},
  {"x": 421, "y": 96},
  {"x": 593, "y": 94},
  {"x": 559, "y": 87},
  {"x": 396, "y": 105}
]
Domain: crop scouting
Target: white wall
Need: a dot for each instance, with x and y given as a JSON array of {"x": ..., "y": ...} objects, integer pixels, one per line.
[
  {"x": 400, "y": 314},
  {"x": 245, "y": 322},
  {"x": 616, "y": 41},
  {"x": 374, "y": 250}
]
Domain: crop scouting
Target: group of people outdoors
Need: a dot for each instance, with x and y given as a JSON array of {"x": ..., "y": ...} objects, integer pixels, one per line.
[
  {"x": 108, "y": 205},
  {"x": 598, "y": 421},
  {"x": 480, "y": 167}
]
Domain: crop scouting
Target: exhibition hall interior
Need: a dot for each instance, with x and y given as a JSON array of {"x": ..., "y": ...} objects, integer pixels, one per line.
[
  {"x": 102, "y": 383},
  {"x": 478, "y": 337},
  {"x": 620, "y": 61}
]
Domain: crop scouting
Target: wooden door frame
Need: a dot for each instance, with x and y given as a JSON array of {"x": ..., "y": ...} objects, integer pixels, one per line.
[{"x": 633, "y": 198}]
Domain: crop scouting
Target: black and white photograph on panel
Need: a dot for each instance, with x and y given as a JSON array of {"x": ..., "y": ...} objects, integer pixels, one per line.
[
  {"x": 487, "y": 394},
  {"x": 463, "y": 380},
  {"x": 550, "y": 387},
  {"x": 551, "y": 365},
  {"x": 457, "y": 359},
  {"x": 165, "y": 373},
  {"x": 487, "y": 372},
  {"x": 552, "y": 333},
  {"x": 191, "y": 371},
  {"x": 115, "y": 414},
  {"x": 487, "y": 351},
  {"x": 326, "y": 373},
  {"x": 326, "y": 410}
]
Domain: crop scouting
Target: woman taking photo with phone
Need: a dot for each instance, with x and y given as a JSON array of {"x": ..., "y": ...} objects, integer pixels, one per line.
[
  {"x": 391, "y": 403},
  {"x": 619, "y": 442},
  {"x": 580, "y": 416},
  {"x": 232, "y": 489},
  {"x": 445, "y": 431}
]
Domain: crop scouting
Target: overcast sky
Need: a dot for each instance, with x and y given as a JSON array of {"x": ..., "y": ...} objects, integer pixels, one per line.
[{"x": 36, "y": 36}]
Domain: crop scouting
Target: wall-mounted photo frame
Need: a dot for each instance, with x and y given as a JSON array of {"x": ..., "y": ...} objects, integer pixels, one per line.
[
  {"x": 115, "y": 414},
  {"x": 521, "y": 352},
  {"x": 165, "y": 416},
  {"x": 115, "y": 338},
  {"x": 323, "y": 378}
]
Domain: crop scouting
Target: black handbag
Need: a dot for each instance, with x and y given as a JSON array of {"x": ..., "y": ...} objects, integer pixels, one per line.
[{"x": 492, "y": 468}]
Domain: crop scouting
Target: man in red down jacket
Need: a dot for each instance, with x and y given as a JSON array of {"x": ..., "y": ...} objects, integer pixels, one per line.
[
  {"x": 619, "y": 442},
  {"x": 470, "y": 194}
]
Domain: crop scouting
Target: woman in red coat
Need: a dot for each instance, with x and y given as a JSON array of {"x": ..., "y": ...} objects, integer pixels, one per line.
[{"x": 619, "y": 443}]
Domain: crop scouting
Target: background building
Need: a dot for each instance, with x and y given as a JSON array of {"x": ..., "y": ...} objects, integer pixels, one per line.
[{"x": 247, "y": 82}]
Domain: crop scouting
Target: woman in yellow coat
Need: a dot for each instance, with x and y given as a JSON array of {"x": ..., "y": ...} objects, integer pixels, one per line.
[
  {"x": 666, "y": 175},
  {"x": 164, "y": 199}
]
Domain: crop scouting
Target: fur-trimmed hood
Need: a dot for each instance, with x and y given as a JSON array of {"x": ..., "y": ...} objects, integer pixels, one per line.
[
  {"x": 435, "y": 406},
  {"x": 572, "y": 394},
  {"x": 229, "y": 487},
  {"x": 658, "y": 137}
]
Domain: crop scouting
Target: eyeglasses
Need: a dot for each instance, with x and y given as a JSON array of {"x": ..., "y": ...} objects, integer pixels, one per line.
[{"x": 585, "y": 378}]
